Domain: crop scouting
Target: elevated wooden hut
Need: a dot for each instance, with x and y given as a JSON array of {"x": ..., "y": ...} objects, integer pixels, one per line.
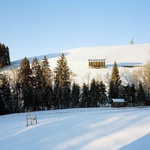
[{"x": 96, "y": 63}]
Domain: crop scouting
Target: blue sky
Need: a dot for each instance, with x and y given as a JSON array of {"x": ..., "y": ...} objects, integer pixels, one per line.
[{"x": 36, "y": 27}]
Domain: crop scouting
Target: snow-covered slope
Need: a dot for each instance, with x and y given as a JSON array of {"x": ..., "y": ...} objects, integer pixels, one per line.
[
  {"x": 78, "y": 129},
  {"x": 123, "y": 55},
  {"x": 78, "y": 59},
  {"x": 89, "y": 128}
]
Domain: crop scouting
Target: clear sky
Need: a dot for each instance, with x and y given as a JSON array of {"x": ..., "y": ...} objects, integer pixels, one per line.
[{"x": 36, "y": 27}]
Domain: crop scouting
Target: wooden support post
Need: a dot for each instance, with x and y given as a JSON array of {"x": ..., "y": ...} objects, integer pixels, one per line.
[
  {"x": 35, "y": 119},
  {"x": 27, "y": 120}
]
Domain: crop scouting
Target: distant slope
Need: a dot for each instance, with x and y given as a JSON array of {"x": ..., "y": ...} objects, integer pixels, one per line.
[
  {"x": 129, "y": 55},
  {"x": 78, "y": 59}
]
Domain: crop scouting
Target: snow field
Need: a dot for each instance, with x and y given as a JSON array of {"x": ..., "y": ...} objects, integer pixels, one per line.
[
  {"x": 124, "y": 55},
  {"x": 88, "y": 128},
  {"x": 83, "y": 129}
]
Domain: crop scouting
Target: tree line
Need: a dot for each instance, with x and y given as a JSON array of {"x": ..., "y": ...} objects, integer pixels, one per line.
[
  {"x": 36, "y": 87},
  {"x": 132, "y": 92}
]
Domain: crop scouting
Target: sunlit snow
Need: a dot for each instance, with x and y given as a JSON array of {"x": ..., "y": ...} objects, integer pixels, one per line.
[
  {"x": 88, "y": 128},
  {"x": 82, "y": 129}
]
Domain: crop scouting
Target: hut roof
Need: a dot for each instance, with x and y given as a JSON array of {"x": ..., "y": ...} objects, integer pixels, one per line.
[{"x": 118, "y": 100}]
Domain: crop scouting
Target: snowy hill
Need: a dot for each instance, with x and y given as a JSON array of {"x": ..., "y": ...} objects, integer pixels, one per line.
[
  {"x": 121, "y": 54},
  {"x": 129, "y": 55},
  {"x": 78, "y": 129},
  {"x": 83, "y": 128}
]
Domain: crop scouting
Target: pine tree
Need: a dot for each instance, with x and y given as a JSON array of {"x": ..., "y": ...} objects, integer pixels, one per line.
[
  {"x": 5, "y": 95},
  {"x": 47, "y": 83},
  {"x": 63, "y": 82},
  {"x": 102, "y": 91},
  {"x": 115, "y": 82},
  {"x": 85, "y": 99},
  {"x": 75, "y": 95},
  {"x": 37, "y": 84},
  {"x": 133, "y": 94},
  {"x": 57, "y": 96},
  {"x": 24, "y": 83},
  {"x": 2, "y": 104},
  {"x": 15, "y": 90},
  {"x": 125, "y": 93},
  {"x": 115, "y": 74},
  {"x": 7, "y": 56},
  {"x": 141, "y": 97},
  {"x": 111, "y": 90},
  {"x": 47, "y": 73},
  {"x": 4, "y": 56},
  {"x": 94, "y": 95}
]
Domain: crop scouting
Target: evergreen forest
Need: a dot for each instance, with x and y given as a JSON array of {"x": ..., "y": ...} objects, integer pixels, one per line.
[{"x": 34, "y": 86}]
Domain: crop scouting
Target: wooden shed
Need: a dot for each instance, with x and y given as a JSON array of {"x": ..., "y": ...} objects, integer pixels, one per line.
[
  {"x": 96, "y": 63},
  {"x": 118, "y": 102}
]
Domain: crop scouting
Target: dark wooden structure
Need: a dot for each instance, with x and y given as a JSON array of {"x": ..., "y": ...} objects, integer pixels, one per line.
[
  {"x": 31, "y": 119},
  {"x": 96, "y": 63},
  {"x": 118, "y": 103}
]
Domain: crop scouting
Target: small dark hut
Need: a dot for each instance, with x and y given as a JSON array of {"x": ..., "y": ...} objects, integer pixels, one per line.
[{"x": 118, "y": 103}]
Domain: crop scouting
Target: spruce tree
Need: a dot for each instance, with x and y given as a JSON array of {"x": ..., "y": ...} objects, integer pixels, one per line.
[
  {"x": 110, "y": 90},
  {"x": 85, "y": 99},
  {"x": 94, "y": 95},
  {"x": 4, "y": 56},
  {"x": 57, "y": 96},
  {"x": 37, "y": 84},
  {"x": 24, "y": 83},
  {"x": 125, "y": 93},
  {"x": 5, "y": 95},
  {"x": 7, "y": 56},
  {"x": 2, "y": 104},
  {"x": 47, "y": 73},
  {"x": 47, "y": 83},
  {"x": 115, "y": 77},
  {"x": 63, "y": 82},
  {"x": 115, "y": 82},
  {"x": 102, "y": 91},
  {"x": 133, "y": 94},
  {"x": 141, "y": 97},
  {"x": 15, "y": 90},
  {"x": 75, "y": 95}
]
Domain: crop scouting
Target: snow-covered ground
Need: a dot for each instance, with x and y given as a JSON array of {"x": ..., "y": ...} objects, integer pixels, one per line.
[
  {"x": 78, "y": 129},
  {"x": 128, "y": 55},
  {"x": 88, "y": 128}
]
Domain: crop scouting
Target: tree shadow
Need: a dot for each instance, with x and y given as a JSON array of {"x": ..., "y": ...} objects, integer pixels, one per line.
[
  {"x": 51, "y": 55},
  {"x": 142, "y": 143}
]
